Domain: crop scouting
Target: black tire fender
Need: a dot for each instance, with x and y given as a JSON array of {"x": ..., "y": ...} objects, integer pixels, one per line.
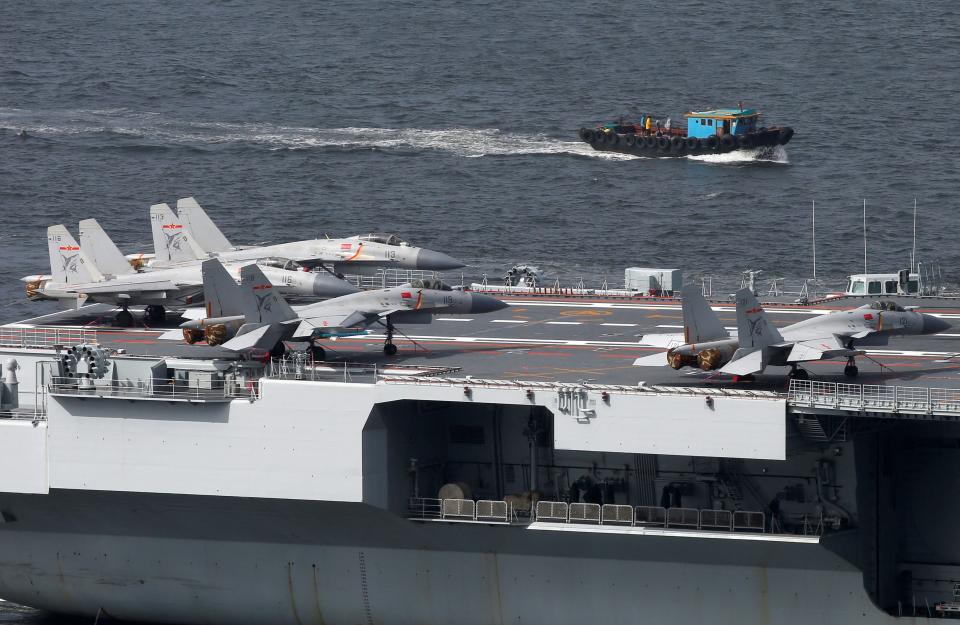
[
  {"x": 727, "y": 143},
  {"x": 663, "y": 143},
  {"x": 693, "y": 143},
  {"x": 712, "y": 142}
]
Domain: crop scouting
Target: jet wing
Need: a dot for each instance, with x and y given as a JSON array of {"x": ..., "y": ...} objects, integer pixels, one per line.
[
  {"x": 249, "y": 339},
  {"x": 817, "y": 349},
  {"x": 752, "y": 362},
  {"x": 653, "y": 360},
  {"x": 120, "y": 287},
  {"x": 662, "y": 340},
  {"x": 333, "y": 320}
]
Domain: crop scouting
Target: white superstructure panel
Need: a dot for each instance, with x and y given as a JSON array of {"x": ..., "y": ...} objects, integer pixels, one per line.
[
  {"x": 721, "y": 427},
  {"x": 23, "y": 456},
  {"x": 301, "y": 440}
]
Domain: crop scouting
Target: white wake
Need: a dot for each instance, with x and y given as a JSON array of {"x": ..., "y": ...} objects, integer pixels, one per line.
[{"x": 153, "y": 129}]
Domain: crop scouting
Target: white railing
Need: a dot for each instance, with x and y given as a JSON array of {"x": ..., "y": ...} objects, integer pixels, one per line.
[
  {"x": 496, "y": 511},
  {"x": 909, "y": 400},
  {"x": 305, "y": 368},
  {"x": 650, "y": 516},
  {"x": 482, "y": 511},
  {"x": 567, "y": 387},
  {"x": 154, "y": 388},
  {"x": 584, "y": 513},
  {"x": 45, "y": 337},
  {"x": 388, "y": 278}
]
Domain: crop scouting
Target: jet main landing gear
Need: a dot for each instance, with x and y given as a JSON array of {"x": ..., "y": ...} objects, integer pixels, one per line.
[
  {"x": 796, "y": 373},
  {"x": 124, "y": 318}
]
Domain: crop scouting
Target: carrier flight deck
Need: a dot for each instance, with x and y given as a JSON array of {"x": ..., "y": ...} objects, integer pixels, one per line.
[{"x": 561, "y": 340}]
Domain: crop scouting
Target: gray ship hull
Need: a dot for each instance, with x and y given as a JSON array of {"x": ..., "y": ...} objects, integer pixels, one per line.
[{"x": 174, "y": 558}]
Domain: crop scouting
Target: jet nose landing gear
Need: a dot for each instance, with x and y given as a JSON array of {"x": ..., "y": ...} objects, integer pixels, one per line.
[
  {"x": 388, "y": 347},
  {"x": 851, "y": 369}
]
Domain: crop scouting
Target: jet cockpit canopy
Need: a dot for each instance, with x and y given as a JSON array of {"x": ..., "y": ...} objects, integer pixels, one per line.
[
  {"x": 434, "y": 285},
  {"x": 889, "y": 306},
  {"x": 386, "y": 239}
]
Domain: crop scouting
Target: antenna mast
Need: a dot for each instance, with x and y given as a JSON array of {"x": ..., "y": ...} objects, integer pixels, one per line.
[
  {"x": 813, "y": 215},
  {"x": 864, "y": 235},
  {"x": 913, "y": 253}
]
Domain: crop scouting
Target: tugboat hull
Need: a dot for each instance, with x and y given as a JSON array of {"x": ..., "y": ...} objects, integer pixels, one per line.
[{"x": 676, "y": 145}]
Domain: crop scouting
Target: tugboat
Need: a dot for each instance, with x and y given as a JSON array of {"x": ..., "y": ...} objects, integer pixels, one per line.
[{"x": 707, "y": 132}]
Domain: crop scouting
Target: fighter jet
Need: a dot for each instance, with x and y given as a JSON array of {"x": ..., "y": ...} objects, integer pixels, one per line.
[
  {"x": 255, "y": 315},
  {"x": 191, "y": 235},
  {"x": 759, "y": 344},
  {"x": 98, "y": 271}
]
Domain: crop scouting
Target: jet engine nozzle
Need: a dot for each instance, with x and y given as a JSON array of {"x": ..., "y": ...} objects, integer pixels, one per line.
[
  {"x": 710, "y": 359},
  {"x": 192, "y": 336},
  {"x": 34, "y": 289},
  {"x": 678, "y": 360},
  {"x": 217, "y": 334}
]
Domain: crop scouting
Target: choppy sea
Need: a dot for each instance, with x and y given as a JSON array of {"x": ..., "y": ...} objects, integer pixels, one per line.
[{"x": 454, "y": 124}]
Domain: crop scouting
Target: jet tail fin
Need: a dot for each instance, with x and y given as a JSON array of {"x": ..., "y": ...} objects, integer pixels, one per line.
[
  {"x": 754, "y": 328},
  {"x": 171, "y": 241},
  {"x": 205, "y": 233},
  {"x": 221, "y": 294},
  {"x": 101, "y": 249},
  {"x": 68, "y": 263},
  {"x": 700, "y": 323},
  {"x": 261, "y": 302}
]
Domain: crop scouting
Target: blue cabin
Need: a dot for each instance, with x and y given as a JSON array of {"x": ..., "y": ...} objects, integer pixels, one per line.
[{"x": 721, "y": 122}]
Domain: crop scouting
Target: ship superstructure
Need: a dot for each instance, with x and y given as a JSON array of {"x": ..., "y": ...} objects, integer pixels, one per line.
[{"x": 513, "y": 467}]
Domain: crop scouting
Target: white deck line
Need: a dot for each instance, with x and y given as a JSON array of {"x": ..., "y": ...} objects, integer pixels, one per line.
[{"x": 673, "y": 533}]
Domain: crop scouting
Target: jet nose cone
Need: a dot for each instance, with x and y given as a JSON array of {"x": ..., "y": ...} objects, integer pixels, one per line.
[
  {"x": 484, "y": 303},
  {"x": 437, "y": 261},
  {"x": 326, "y": 285},
  {"x": 933, "y": 325}
]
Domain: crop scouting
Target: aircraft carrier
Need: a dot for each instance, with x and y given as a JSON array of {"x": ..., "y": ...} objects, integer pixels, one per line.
[{"x": 512, "y": 467}]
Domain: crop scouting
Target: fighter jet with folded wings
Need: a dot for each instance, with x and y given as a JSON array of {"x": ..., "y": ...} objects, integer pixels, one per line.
[
  {"x": 254, "y": 315},
  {"x": 758, "y": 343},
  {"x": 97, "y": 271},
  {"x": 190, "y": 235}
]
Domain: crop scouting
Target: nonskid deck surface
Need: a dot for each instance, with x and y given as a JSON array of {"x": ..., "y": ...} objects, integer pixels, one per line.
[{"x": 571, "y": 340}]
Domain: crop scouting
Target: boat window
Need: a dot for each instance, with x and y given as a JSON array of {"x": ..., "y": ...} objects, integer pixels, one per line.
[
  {"x": 709, "y": 122},
  {"x": 890, "y": 286},
  {"x": 913, "y": 286},
  {"x": 874, "y": 288},
  {"x": 857, "y": 287}
]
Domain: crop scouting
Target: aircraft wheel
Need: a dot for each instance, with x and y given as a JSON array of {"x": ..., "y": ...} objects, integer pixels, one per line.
[
  {"x": 278, "y": 350},
  {"x": 390, "y": 349},
  {"x": 155, "y": 314},
  {"x": 124, "y": 319},
  {"x": 851, "y": 371},
  {"x": 800, "y": 374},
  {"x": 318, "y": 353}
]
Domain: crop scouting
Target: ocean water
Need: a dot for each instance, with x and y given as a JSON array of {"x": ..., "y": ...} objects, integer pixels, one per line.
[{"x": 454, "y": 124}]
